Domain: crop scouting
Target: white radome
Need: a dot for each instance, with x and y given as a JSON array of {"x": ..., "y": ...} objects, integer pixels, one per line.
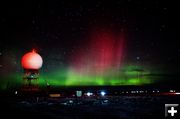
[{"x": 32, "y": 60}]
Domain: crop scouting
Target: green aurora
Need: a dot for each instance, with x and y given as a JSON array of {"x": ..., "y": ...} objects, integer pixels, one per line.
[{"x": 130, "y": 75}]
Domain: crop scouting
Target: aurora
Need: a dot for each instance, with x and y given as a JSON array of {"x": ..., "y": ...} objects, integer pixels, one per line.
[{"x": 100, "y": 62}]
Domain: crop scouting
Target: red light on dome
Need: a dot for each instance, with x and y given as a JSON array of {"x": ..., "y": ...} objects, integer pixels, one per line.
[{"x": 34, "y": 51}]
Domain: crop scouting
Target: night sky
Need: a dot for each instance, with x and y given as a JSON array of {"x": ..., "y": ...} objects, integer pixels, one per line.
[{"x": 92, "y": 42}]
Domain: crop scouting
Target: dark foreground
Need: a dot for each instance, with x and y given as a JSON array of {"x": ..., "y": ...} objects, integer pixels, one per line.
[{"x": 118, "y": 107}]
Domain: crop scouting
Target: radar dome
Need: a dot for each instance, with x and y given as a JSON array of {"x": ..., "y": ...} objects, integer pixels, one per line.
[{"x": 32, "y": 60}]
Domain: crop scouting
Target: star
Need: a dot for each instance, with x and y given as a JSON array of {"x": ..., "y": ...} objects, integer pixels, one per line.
[{"x": 137, "y": 57}]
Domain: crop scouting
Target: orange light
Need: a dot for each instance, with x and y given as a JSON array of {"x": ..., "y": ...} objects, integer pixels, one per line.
[{"x": 54, "y": 95}]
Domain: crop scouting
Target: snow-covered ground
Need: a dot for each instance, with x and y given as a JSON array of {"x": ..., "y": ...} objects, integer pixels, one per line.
[{"x": 119, "y": 107}]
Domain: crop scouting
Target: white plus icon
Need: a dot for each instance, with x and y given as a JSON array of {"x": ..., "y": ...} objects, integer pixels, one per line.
[{"x": 172, "y": 111}]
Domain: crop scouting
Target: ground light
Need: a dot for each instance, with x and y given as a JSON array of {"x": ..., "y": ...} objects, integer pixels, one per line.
[
  {"x": 103, "y": 93},
  {"x": 89, "y": 94}
]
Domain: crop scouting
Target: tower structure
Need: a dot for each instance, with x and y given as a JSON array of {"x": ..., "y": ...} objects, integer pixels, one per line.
[{"x": 31, "y": 63}]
